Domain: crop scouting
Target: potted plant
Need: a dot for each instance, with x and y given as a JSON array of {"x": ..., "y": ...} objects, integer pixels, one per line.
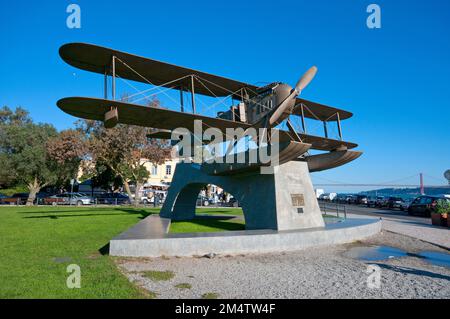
[{"x": 439, "y": 216}]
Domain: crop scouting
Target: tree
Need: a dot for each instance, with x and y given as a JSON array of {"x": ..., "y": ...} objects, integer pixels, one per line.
[
  {"x": 35, "y": 154},
  {"x": 19, "y": 116},
  {"x": 67, "y": 149},
  {"x": 125, "y": 149},
  {"x": 23, "y": 147},
  {"x": 7, "y": 174}
]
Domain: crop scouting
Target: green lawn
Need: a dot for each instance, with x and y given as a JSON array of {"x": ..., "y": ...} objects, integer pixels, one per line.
[
  {"x": 220, "y": 211},
  {"x": 198, "y": 225},
  {"x": 38, "y": 243}
]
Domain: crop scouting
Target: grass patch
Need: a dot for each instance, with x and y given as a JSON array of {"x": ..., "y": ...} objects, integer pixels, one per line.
[
  {"x": 159, "y": 275},
  {"x": 183, "y": 286},
  {"x": 210, "y": 295},
  {"x": 198, "y": 225},
  {"x": 38, "y": 243}
]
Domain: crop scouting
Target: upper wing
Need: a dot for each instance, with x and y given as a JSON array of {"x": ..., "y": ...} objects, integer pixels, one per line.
[
  {"x": 98, "y": 59},
  {"x": 319, "y": 111},
  {"x": 133, "y": 114}
]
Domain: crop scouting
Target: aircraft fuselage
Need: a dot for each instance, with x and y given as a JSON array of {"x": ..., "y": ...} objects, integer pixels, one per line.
[{"x": 254, "y": 110}]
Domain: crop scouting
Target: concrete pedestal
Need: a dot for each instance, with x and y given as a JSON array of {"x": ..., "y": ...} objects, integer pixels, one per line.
[
  {"x": 150, "y": 238},
  {"x": 284, "y": 200}
]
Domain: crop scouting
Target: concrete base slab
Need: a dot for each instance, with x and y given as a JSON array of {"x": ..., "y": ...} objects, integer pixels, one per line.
[{"x": 149, "y": 238}]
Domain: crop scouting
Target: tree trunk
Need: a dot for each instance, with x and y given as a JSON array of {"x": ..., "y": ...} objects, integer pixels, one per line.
[
  {"x": 127, "y": 189},
  {"x": 34, "y": 188},
  {"x": 136, "y": 193}
]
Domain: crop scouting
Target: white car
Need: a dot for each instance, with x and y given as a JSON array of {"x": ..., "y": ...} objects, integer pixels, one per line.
[
  {"x": 328, "y": 196},
  {"x": 149, "y": 197}
]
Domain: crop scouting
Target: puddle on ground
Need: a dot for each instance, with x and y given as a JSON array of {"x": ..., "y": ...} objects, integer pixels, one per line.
[
  {"x": 375, "y": 253},
  {"x": 372, "y": 253}
]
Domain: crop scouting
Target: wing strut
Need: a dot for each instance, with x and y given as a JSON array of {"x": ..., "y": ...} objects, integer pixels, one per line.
[
  {"x": 112, "y": 116},
  {"x": 193, "y": 94}
]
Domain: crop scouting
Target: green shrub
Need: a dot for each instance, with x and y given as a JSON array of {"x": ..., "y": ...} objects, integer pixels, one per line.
[
  {"x": 443, "y": 207},
  {"x": 14, "y": 190}
]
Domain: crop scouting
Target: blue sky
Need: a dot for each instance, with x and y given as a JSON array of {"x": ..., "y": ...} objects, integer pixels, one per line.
[{"x": 396, "y": 79}]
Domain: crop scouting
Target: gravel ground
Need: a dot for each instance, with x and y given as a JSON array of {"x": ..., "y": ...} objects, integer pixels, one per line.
[{"x": 324, "y": 272}]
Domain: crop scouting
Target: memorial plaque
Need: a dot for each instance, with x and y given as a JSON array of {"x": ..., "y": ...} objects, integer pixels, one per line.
[{"x": 298, "y": 200}]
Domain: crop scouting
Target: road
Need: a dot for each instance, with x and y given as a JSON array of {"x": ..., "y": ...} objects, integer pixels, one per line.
[{"x": 387, "y": 214}]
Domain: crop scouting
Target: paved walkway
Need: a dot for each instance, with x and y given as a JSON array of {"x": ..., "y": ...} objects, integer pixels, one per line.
[
  {"x": 420, "y": 229},
  {"x": 436, "y": 235}
]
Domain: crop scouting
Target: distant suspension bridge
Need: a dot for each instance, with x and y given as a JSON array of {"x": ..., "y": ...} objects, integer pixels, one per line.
[{"x": 394, "y": 184}]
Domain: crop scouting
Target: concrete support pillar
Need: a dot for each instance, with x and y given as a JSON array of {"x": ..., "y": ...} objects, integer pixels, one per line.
[{"x": 284, "y": 200}]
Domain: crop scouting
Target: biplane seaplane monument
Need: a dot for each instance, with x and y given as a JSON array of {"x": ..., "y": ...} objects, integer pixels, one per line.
[{"x": 265, "y": 167}]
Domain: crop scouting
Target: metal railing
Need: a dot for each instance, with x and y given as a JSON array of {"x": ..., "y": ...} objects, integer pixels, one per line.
[{"x": 328, "y": 208}]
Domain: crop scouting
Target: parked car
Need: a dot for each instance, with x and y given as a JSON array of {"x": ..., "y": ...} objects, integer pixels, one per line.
[
  {"x": 149, "y": 197},
  {"x": 405, "y": 204},
  {"x": 361, "y": 200},
  {"x": 21, "y": 199},
  {"x": 328, "y": 196},
  {"x": 58, "y": 199},
  {"x": 371, "y": 201},
  {"x": 350, "y": 199},
  {"x": 233, "y": 202},
  {"x": 425, "y": 205},
  {"x": 341, "y": 198},
  {"x": 16, "y": 199},
  {"x": 1, "y": 197},
  {"x": 112, "y": 199},
  {"x": 381, "y": 201},
  {"x": 394, "y": 203},
  {"x": 202, "y": 200},
  {"x": 40, "y": 197},
  {"x": 78, "y": 199},
  {"x": 120, "y": 199}
]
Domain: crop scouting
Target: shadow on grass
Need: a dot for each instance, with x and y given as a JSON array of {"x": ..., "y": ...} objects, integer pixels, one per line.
[
  {"x": 92, "y": 209},
  {"x": 216, "y": 217},
  {"x": 214, "y": 223},
  {"x": 212, "y": 210},
  {"x": 67, "y": 213}
]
